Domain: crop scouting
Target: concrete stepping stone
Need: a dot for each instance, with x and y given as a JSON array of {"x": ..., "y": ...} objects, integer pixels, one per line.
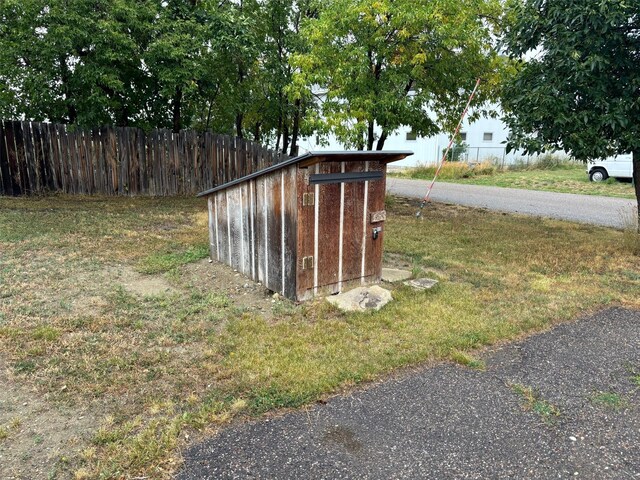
[
  {"x": 421, "y": 283},
  {"x": 361, "y": 299},
  {"x": 392, "y": 275}
]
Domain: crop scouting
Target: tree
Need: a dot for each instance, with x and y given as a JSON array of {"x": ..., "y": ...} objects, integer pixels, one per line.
[
  {"x": 73, "y": 61},
  {"x": 384, "y": 63},
  {"x": 577, "y": 84},
  {"x": 205, "y": 64},
  {"x": 187, "y": 37},
  {"x": 123, "y": 62},
  {"x": 260, "y": 73}
]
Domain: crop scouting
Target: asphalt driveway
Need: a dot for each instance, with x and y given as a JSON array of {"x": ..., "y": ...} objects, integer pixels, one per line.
[
  {"x": 592, "y": 209},
  {"x": 451, "y": 422}
]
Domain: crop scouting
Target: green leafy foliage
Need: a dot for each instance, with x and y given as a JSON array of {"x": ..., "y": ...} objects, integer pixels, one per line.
[
  {"x": 382, "y": 63},
  {"x": 200, "y": 64},
  {"x": 577, "y": 81}
]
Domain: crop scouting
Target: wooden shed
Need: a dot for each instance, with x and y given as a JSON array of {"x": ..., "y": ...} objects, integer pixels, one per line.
[{"x": 308, "y": 225}]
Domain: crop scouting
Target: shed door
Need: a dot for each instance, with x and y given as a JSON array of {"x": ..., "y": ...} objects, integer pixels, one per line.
[{"x": 336, "y": 243}]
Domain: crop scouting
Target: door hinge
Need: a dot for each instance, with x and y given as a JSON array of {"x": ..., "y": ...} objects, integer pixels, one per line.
[
  {"x": 307, "y": 263},
  {"x": 308, "y": 199}
]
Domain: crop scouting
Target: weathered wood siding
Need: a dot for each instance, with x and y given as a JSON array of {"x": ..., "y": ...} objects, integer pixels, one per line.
[
  {"x": 337, "y": 230},
  {"x": 253, "y": 228},
  {"x": 38, "y": 158},
  {"x": 297, "y": 238}
]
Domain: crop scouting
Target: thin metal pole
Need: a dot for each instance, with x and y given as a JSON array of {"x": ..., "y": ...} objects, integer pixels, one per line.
[{"x": 446, "y": 153}]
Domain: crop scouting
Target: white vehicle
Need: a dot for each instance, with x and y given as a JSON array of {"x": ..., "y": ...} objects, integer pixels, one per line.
[{"x": 619, "y": 167}]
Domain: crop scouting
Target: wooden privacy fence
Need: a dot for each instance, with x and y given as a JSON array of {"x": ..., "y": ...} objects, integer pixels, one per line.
[{"x": 37, "y": 158}]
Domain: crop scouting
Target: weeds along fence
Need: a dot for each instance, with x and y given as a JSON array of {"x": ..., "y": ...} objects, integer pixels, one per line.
[{"x": 38, "y": 158}]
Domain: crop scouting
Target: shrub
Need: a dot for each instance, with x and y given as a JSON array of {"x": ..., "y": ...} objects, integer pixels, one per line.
[
  {"x": 457, "y": 152},
  {"x": 548, "y": 161},
  {"x": 451, "y": 171}
]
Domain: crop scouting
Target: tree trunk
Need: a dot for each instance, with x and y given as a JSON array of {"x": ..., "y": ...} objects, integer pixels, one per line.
[
  {"x": 177, "y": 110},
  {"x": 239, "y": 119},
  {"x": 296, "y": 129},
  {"x": 123, "y": 117},
  {"x": 636, "y": 183},
  {"x": 72, "y": 114},
  {"x": 285, "y": 135},
  {"x": 382, "y": 139},
  {"x": 370, "y": 135}
]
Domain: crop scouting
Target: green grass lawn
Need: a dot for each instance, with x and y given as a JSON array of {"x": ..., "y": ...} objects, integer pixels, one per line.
[
  {"x": 156, "y": 371},
  {"x": 569, "y": 179}
]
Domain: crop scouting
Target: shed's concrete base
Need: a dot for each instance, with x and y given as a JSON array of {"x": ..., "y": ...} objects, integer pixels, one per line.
[{"x": 361, "y": 299}]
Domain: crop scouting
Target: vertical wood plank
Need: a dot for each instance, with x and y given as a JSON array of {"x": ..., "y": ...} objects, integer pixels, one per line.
[
  {"x": 261, "y": 229},
  {"x": 40, "y": 173},
  {"x": 207, "y": 165},
  {"x": 142, "y": 162},
  {"x": 52, "y": 140},
  {"x": 134, "y": 166},
  {"x": 179, "y": 179},
  {"x": 213, "y": 248},
  {"x": 173, "y": 166},
  {"x": 185, "y": 150},
  {"x": 203, "y": 155},
  {"x": 226, "y": 170},
  {"x": 153, "y": 162},
  {"x": 122, "y": 161},
  {"x": 223, "y": 227},
  {"x": 252, "y": 228},
  {"x": 82, "y": 161},
  {"x": 113, "y": 162},
  {"x": 290, "y": 228},
  {"x": 234, "y": 198},
  {"x": 196, "y": 179},
  {"x": 166, "y": 164},
  {"x": 20, "y": 158},
  {"x": 97, "y": 161},
  {"x": 48, "y": 175},
  {"x": 245, "y": 212},
  {"x": 12, "y": 157},
  {"x": 328, "y": 228},
  {"x": 306, "y": 233},
  {"x": 159, "y": 159},
  {"x": 82, "y": 155},
  {"x": 6, "y": 186},
  {"x": 31, "y": 158},
  {"x": 352, "y": 225},
  {"x": 221, "y": 163},
  {"x": 74, "y": 166},
  {"x": 373, "y": 261},
  {"x": 65, "y": 162},
  {"x": 274, "y": 229}
]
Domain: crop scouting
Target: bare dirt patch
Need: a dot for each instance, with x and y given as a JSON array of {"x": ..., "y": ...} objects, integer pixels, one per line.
[
  {"x": 140, "y": 284},
  {"x": 217, "y": 277},
  {"x": 40, "y": 437}
]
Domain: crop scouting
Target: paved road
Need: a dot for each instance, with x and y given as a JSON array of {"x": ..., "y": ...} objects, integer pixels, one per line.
[
  {"x": 450, "y": 422},
  {"x": 605, "y": 211}
]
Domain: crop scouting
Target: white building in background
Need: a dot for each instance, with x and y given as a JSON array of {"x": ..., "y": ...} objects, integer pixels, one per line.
[{"x": 485, "y": 139}]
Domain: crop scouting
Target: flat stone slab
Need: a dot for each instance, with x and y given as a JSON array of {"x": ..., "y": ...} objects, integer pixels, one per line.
[
  {"x": 421, "y": 283},
  {"x": 361, "y": 299},
  {"x": 392, "y": 275}
]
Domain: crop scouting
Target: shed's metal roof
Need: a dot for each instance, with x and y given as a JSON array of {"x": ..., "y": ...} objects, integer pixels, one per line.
[{"x": 311, "y": 158}]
